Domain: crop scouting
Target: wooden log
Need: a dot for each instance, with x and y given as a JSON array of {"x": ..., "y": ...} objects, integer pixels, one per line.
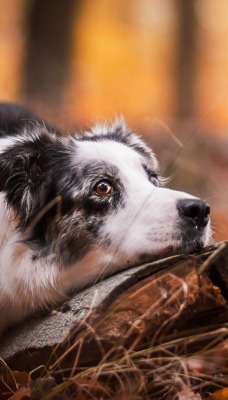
[{"x": 140, "y": 307}]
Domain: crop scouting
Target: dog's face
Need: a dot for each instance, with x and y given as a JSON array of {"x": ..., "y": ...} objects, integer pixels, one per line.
[{"x": 96, "y": 193}]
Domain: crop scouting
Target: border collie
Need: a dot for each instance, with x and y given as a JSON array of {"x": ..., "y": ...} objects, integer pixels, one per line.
[{"x": 76, "y": 208}]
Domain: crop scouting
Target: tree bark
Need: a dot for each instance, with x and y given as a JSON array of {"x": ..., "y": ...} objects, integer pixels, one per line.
[
  {"x": 50, "y": 37},
  {"x": 185, "y": 70}
]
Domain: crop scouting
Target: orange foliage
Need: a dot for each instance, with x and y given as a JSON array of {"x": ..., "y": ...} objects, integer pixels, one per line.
[{"x": 121, "y": 62}]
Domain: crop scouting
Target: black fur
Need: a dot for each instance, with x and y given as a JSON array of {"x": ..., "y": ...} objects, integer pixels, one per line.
[
  {"x": 36, "y": 172},
  {"x": 123, "y": 136},
  {"x": 15, "y": 118}
]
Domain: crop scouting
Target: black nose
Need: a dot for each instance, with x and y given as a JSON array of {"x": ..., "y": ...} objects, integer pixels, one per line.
[{"x": 196, "y": 211}]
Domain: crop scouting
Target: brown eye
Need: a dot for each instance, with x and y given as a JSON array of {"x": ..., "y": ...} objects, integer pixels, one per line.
[{"x": 103, "y": 188}]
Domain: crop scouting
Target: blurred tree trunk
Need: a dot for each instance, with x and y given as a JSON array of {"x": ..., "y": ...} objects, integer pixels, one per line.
[
  {"x": 185, "y": 70},
  {"x": 48, "y": 53}
]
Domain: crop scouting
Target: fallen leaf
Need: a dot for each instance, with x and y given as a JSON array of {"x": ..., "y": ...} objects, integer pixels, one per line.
[
  {"x": 21, "y": 378},
  {"x": 219, "y": 395},
  {"x": 22, "y": 394},
  {"x": 8, "y": 384}
]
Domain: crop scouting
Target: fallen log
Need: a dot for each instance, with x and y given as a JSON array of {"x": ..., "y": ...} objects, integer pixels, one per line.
[{"x": 180, "y": 301}]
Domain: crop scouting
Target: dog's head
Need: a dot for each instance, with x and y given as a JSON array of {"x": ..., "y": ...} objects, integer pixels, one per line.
[{"x": 72, "y": 195}]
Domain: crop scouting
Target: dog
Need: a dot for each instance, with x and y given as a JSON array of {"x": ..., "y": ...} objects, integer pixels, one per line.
[{"x": 78, "y": 207}]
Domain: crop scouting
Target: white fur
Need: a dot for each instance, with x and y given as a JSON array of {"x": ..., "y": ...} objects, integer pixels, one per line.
[
  {"x": 147, "y": 223},
  {"x": 5, "y": 143}
]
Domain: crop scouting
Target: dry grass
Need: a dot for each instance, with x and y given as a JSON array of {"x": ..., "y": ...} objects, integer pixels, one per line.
[
  {"x": 165, "y": 364},
  {"x": 169, "y": 369}
]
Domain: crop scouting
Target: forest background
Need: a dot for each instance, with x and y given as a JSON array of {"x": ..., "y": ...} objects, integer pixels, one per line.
[{"x": 163, "y": 64}]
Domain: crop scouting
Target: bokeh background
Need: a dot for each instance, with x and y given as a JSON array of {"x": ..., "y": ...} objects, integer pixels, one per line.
[{"x": 163, "y": 64}]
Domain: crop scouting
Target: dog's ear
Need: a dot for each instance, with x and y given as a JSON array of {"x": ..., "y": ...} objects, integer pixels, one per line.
[{"x": 24, "y": 174}]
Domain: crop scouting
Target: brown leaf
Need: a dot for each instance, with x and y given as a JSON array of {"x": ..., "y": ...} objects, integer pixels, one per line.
[
  {"x": 8, "y": 384},
  {"x": 21, "y": 378},
  {"x": 211, "y": 361},
  {"x": 22, "y": 394},
  {"x": 219, "y": 395}
]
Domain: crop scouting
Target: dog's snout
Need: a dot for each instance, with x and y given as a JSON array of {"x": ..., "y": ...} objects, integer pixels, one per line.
[{"x": 195, "y": 210}]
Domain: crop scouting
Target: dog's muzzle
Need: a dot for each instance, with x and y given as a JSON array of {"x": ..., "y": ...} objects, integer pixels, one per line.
[{"x": 194, "y": 211}]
